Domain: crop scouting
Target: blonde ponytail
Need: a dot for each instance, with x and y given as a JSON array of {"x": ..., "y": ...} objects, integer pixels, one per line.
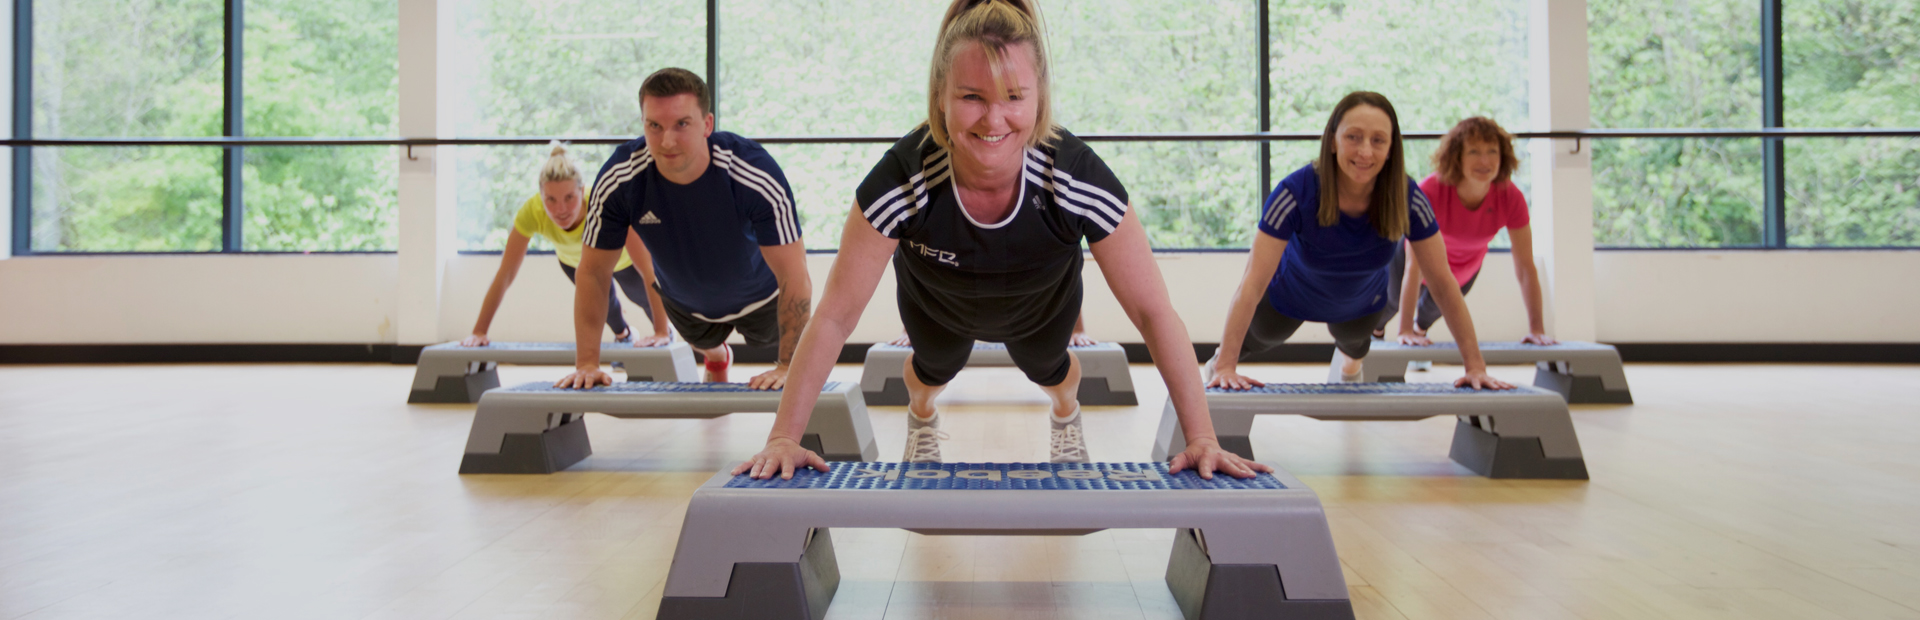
[{"x": 559, "y": 166}]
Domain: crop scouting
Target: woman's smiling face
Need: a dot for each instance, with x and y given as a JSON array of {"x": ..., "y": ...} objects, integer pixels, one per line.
[{"x": 990, "y": 127}]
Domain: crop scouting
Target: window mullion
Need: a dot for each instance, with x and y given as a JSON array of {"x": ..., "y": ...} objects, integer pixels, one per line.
[
  {"x": 22, "y": 127},
  {"x": 232, "y": 214},
  {"x": 1773, "y": 150},
  {"x": 1264, "y": 91}
]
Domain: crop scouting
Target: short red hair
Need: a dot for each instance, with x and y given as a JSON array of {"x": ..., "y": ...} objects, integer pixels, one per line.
[{"x": 1446, "y": 159}]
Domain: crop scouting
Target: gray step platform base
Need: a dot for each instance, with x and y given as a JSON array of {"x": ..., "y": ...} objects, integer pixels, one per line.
[
  {"x": 1105, "y": 379},
  {"x": 558, "y": 448},
  {"x": 773, "y": 590},
  {"x": 1520, "y": 433},
  {"x": 1257, "y": 548},
  {"x": 1581, "y": 372},
  {"x": 1494, "y": 456},
  {"x": 450, "y": 373},
  {"x": 535, "y": 428},
  {"x": 1208, "y": 591}
]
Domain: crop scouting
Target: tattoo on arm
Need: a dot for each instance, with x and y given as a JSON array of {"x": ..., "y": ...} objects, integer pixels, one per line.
[{"x": 794, "y": 313}]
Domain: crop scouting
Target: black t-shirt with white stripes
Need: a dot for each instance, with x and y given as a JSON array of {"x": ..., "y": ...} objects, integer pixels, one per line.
[{"x": 995, "y": 281}]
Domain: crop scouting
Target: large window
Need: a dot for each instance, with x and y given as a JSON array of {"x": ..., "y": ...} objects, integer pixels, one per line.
[
  {"x": 1852, "y": 64},
  {"x": 825, "y": 69},
  {"x": 558, "y": 68},
  {"x": 321, "y": 69},
  {"x": 1657, "y": 64},
  {"x": 1844, "y": 64},
  {"x": 159, "y": 70},
  {"x": 160, "y": 77}
]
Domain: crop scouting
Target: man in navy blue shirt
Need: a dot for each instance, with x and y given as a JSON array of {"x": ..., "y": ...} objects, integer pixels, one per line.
[{"x": 719, "y": 219}]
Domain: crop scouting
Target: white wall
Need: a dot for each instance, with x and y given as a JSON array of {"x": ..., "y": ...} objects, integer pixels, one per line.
[
  {"x": 198, "y": 299},
  {"x": 1779, "y": 296}
]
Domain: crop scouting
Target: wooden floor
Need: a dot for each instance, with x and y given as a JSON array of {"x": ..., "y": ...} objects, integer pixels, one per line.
[{"x": 313, "y": 491}]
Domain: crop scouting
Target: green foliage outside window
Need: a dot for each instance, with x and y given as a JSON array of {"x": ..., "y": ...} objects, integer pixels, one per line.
[
  {"x": 858, "y": 67},
  {"x": 551, "y": 68},
  {"x": 319, "y": 69},
  {"x": 1852, "y": 63},
  {"x": 1848, "y": 64},
  {"x": 160, "y": 76}
]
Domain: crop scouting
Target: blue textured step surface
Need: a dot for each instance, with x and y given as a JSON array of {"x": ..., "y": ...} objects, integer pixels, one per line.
[
  {"x": 654, "y": 387},
  {"x": 1362, "y": 388},
  {"x": 508, "y": 346},
  {"x": 1508, "y": 346},
  {"x": 1007, "y": 476},
  {"x": 989, "y": 346}
]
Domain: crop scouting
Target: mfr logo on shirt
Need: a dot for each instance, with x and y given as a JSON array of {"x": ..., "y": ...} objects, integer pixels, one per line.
[
  {"x": 649, "y": 218},
  {"x": 1039, "y": 204},
  {"x": 939, "y": 255}
]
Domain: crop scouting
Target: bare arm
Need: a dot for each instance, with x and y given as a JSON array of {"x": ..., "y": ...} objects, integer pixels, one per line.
[
  {"x": 1529, "y": 276},
  {"x": 643, "y": 261},
  {"x": 1453, "y": 308},
  {"x": 789, "y": 265},
  {"x": 510, "y": 260},
  {"x": 1262, "y": 261},
  {"x": 1127, "y": 263},
  {"x": 592, "y": 282},
  {"x": 1410, "y": 302},
  {"x": 856, "y": 272}
]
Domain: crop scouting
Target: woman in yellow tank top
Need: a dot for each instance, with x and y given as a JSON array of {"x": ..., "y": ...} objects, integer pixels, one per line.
[{"x": 555, "y": 214}]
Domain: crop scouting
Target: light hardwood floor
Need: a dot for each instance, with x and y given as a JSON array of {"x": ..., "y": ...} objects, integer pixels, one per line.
[{"x": 313, "y": 491}]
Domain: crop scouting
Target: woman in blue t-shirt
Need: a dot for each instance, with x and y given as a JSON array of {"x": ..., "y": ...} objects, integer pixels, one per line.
[{"x": 1326, "y": 235}]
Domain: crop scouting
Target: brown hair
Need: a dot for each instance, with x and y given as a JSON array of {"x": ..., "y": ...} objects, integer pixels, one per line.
[
  {"x": 1453, "y": 146},
  {"x": 676, "y": 81},
  {"x": 996, "y": 25},
  {"x": 1388, "y": 207}
]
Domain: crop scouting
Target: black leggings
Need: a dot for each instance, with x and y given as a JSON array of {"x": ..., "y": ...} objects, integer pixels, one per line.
[
  {"x": 1429, "y": 310},
  {"x": 633, "y": 285},
  {"x": 1269, "y": 328},
  {"x": 939, "y": 352}
]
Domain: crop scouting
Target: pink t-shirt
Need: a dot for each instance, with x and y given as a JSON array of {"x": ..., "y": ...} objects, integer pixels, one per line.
[{"x": 1468, "y": 232}]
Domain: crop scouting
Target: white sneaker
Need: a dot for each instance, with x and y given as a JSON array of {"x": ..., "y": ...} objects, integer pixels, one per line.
[
  {"x": 1421, "y": 365},
  {"x": 1067, "y": 442},
  {"x": 923, "y": 439}
]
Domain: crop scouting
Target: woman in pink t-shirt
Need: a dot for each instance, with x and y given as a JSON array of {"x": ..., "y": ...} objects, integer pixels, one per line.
[{"x": 1473, "y": 197}]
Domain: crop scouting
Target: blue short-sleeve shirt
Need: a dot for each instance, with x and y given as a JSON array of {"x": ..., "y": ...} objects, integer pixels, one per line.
[
  {"x": 1335, "y": 273},
  {"x": 705, "y": 236}
]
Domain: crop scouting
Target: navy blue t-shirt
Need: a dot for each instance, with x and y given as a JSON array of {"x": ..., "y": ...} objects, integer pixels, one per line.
[
  {"x": 705, "y": 236},
  {"x": 1332, "y": 273}
]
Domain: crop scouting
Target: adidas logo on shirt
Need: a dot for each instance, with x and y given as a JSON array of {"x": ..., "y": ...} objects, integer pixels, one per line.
[{"x": 649, "y": 218}]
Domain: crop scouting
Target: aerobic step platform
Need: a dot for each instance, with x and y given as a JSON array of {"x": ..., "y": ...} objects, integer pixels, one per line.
[
  {"x": 450, "y": 373},
  {"x": 1255, "y": 548},
  {"x": 536, "y": 428},
  {"x": 1520, "y": 433},
  {"x": 1582, "y": 372},
  {"x": 1104, "y": 379}
]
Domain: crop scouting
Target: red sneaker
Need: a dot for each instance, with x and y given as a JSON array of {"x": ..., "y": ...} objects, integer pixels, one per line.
[{"x": 717, "y": 368}]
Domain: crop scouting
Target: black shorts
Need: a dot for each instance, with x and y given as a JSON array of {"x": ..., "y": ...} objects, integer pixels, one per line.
[
  {"x": 1270, "y": 328},
  {"x": 761, "y": 327},
  {"x": 939, "y": 352},
  {"x": 1429, "y": 310}
]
